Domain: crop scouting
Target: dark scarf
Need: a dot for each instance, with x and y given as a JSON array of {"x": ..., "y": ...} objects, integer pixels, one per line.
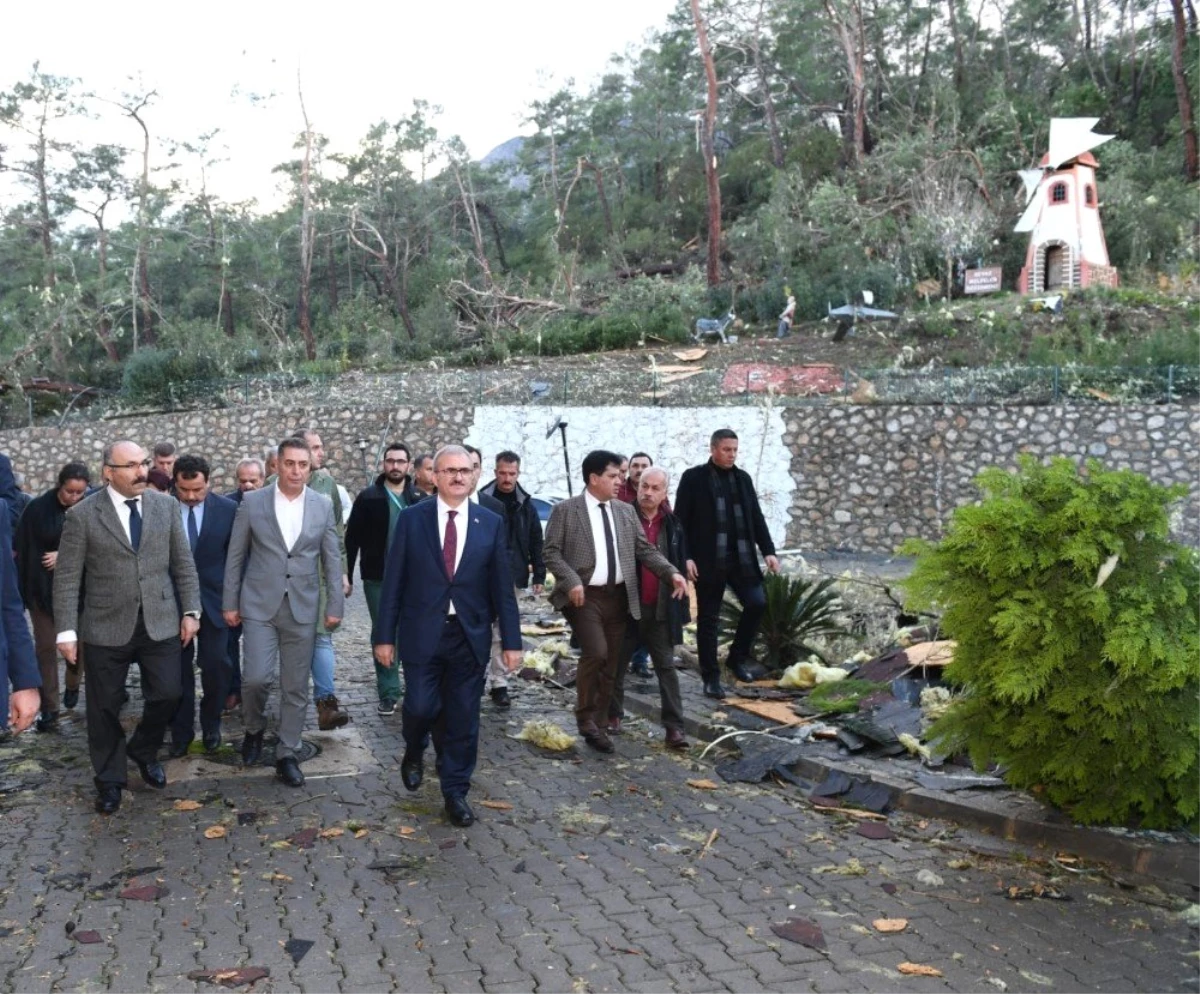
[{"x": 725, "y": 485}]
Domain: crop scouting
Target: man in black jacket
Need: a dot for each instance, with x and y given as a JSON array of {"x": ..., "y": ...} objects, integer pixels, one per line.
[
  {"x": 369, "y": 531},
  {"x": 725, "y": 530},
  {"x": 660, "y": 628},
  {"x": 38, "y": 534}
]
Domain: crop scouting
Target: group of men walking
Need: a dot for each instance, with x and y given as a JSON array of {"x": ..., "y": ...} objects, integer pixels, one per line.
[{"x": 127, "y": 574}]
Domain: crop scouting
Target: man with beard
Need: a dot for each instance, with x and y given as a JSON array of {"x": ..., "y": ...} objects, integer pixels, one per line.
[
  {"x": 369, "y": 532},
  {"x": 38, "y": 535}
]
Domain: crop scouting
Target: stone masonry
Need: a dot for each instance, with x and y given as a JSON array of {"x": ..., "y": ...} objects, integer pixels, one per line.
[{"x": 860, "y": 478}]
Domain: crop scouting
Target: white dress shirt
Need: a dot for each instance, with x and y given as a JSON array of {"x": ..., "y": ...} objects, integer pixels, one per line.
[
  {"x": 460, "y": 530},
  {"x": 123, "y": 515},
  {"x": 183, "y": 511},
  {"x": 600, "y": 576},
  {"x": 290, "y": 515}
]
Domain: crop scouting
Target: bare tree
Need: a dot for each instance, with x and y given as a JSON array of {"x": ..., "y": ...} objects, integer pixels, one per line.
[
  {"x": 708, "y": 148},
  {"x": 135, "y": 106},
  {"x": 304, "y": 304},
  {"x": 846, "y": 19}
]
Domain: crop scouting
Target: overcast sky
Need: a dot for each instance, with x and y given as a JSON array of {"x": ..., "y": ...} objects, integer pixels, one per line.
[{"x": 483, "y": 62}]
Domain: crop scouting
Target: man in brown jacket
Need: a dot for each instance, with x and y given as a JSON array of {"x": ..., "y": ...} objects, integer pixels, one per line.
[{"x": 593, "y": 547}]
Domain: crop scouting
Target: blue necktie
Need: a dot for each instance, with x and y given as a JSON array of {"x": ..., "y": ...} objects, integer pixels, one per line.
[
  {"x": 135, "y": 523},
  {"x": 193, "y": 531}
]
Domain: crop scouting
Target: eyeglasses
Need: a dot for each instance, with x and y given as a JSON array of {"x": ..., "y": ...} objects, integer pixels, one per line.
[
  {"x": 456, "y": 472},
  {"x": 144, "y": 464}
]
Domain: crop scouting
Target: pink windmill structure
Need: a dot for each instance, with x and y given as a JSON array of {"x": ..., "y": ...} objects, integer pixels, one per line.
[{"x": 1062, "y": 215}]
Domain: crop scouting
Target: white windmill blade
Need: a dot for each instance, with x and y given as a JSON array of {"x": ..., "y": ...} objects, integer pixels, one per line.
[
  {"x": 1071, "y": 137},
  {"x": 1029, "y": 218},
  {"x": 1032, "y": 178}
]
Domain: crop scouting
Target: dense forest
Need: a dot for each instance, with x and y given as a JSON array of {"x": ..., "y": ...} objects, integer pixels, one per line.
[{"x": 750, "y": 148}]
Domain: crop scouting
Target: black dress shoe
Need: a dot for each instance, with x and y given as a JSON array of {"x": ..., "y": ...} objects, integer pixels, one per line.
[
  {"x": 179, "y": 749},
  {"x": 742, "y": 672},
  {"x": 288, "y": 770},
  {"x": 459, "y": 812},
  {"x": 47, "y": 721},
  {"x": 713, "y": 688},
  {"x": 500, "y": 697},
  {"x": 152, "y": 773},
  {"x": 70, "y": 699},
  {"x": 212, "y": 741},
  {"x": 252, "y": 745},
  {"x": 412, "y": 770},
  {"x": 108, "y": 799}
]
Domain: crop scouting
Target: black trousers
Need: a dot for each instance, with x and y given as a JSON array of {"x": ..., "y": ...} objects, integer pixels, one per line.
[
  {"x": 213, "y": 659},
  {"x": 106, "y": 668},
  {"x": 710, "y": 593}
]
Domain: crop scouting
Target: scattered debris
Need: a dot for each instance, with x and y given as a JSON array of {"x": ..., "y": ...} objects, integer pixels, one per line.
[
  {"x": 956, "y": 781},
  {"x": 150, "y": 892},
  {"x": 889, "y": 925},
  {"x": 215, "y": 832},
  {"x": 1034, "y": 892},
  {"x": 332, "y": 833},
  {"x": 304, "y": 838},
  {"x": 87, "y": 936},
  {"x": 808, "y": 674},
  {"x": 496, "y": 805},
  {"x": 802, "y": 931},
  {"x": 231, "y": 978},
  {"x": 759, "y": 758},
  {"x": 704, "y": 784},
  {"x": 874, "y": 830},
  {"x": 690, "y": 355},
  {"x": 1036, "y": 978},
  {"x": 918, "y": 970},
  {"x": 851, "y": 868},
  {"x": 712, "y": 837},
  {"x": 247, "y": 817},
  {"x": 297, "y": 948},
  {"x": 547, "y": 735},
  {"x": 927, "y": 878},
  {"x": 779, "y": 712},
  {"x": 187, "y": 805},
  {"x": 913, "y": 746}
]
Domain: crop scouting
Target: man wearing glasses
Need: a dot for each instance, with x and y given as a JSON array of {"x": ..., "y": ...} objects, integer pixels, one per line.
[
  {"x": 125, "y": 548},
  {"x": 445, "y": 581}
]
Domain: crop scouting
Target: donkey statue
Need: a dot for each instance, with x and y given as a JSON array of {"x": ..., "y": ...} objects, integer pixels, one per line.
[{"x": 712, "y": 326}]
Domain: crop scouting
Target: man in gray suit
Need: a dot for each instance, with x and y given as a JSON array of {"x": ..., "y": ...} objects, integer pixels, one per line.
[
  {"x": 125, "y": 548},
  {"x": 281, "y": 535}
]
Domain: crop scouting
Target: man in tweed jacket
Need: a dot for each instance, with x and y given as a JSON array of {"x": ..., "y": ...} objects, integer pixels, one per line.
[
  {"x": 124, "y": 549},
  {"x": 593, "y": 547}
]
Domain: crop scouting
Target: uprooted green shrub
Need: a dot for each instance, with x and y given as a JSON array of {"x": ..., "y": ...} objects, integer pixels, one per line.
[{"x": 1078, "y": 641}]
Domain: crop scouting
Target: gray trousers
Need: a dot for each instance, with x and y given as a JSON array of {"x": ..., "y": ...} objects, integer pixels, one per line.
[
  {"x": 655, "y": 636},
  {"x": 497, "y": 675},
  {"x": 291, "y": 642}
]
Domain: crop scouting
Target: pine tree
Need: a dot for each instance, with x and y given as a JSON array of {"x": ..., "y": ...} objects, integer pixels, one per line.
[{"x": 1078, "y": 642}]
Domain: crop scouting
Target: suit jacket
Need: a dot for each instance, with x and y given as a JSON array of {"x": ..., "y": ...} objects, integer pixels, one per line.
[
  {"x": 158, "y": 578},
  {"x": 260, "y": 570},
  {"x": 696, "y": 509},
  {"x": 18, "y": 665},
  {"x": 570, "y": 553},
  {"x": 416, "y": 591},
  {"x": 212, "y": 547}
]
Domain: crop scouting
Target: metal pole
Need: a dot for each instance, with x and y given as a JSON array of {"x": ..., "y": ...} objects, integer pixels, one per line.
[
  {"x": 566, "y": 458},
  {"x": 1170, "y": 382}
]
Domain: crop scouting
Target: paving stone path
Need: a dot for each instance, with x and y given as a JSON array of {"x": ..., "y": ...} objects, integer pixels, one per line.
[{"x": 589, "y": 873}]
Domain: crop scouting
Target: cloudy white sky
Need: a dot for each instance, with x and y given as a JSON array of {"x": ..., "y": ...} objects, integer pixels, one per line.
[{"x": 483, "y": 62}]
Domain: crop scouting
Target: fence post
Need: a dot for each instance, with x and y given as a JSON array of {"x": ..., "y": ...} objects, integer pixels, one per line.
[
  {"x": 946, "y": 385},
  {"x": 1054, "y": 396},
  {"x": 1170, "y": 382},
  {"x": 567, "y": 387}
]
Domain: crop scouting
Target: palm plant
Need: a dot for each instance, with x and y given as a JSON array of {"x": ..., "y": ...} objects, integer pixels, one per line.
[{"x": 798, "y": 611}]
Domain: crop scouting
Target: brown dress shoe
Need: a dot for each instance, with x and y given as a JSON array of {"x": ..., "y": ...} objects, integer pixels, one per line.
[
  {"x": 597, "y": 739},
  {"x": 330, "y": 715},
  {"x": 676, "y": 739}
]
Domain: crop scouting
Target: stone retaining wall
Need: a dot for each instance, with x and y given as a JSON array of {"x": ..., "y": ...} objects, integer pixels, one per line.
[{"x": 855, "y": 477}]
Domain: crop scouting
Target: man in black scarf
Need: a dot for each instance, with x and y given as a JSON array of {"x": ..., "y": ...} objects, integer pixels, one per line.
[
  {"x": 725, "y": 531},
  {"x": 38, "y": 534}
]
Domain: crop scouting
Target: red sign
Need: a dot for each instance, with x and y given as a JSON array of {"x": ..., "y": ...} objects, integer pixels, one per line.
[{"x": 982, "y": 280}]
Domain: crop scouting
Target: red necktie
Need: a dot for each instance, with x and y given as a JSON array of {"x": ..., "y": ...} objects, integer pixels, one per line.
[{"x": 450, "y": 544}]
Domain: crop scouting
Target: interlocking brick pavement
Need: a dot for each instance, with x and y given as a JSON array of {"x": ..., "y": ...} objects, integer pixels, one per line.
[{"x": 540, "y": 897}]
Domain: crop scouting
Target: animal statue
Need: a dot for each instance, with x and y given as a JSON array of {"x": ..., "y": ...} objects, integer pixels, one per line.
[{"x": 712, "y": 326}]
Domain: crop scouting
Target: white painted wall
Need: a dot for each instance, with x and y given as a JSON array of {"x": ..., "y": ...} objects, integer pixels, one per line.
[{"x": 675, "y": 437}]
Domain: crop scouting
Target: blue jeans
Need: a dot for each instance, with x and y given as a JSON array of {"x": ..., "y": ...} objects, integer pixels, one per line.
[{"x": 322, "y": 667}]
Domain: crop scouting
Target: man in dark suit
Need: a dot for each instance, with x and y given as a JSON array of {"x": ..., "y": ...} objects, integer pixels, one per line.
[
  {"x": 593, "y": 547},
  {"x": 446, "y": 579},
  {"x": 125, "y": 547},
  {"x": 725, "y": 531},
  {"x": 18, "y": 664},
  {"x": 284, "y": 535},
  {"x": 208, "y": 521}
]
